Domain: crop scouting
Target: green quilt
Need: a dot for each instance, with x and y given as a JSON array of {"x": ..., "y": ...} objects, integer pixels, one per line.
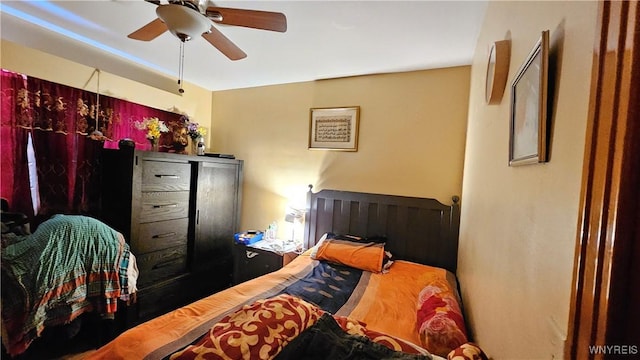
[{"x": 70, "y": 265}]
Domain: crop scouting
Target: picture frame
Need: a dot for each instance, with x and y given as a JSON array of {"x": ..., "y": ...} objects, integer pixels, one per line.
[
  {"x": 334, "y": 128},
  {"x": 528, "y": 120}
]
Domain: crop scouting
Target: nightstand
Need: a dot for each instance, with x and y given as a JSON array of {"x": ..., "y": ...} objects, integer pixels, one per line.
[{"x": 250, "y": 261}]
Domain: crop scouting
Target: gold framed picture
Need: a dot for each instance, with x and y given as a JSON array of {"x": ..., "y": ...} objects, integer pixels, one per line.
[
  {"x": 528, "y": 125},
  {"x": 334, "y": 128}
]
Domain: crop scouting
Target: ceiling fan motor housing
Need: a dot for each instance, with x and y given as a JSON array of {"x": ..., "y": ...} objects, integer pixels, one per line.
[{"x": 183, "y": 22}]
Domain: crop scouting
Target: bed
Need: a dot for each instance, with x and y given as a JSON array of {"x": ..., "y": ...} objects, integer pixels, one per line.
[{"x": 411, "y": 308}]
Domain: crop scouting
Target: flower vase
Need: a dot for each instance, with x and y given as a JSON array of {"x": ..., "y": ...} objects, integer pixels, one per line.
[
  {"x": 194, "y": 146},
  {"x": 154, "y": 144}
]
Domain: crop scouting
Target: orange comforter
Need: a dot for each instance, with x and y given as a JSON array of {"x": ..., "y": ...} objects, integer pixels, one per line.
[{"x": 387, "y": 304}]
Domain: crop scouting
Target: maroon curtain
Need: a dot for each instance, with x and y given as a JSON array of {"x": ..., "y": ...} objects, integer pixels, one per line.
[
  {"x": 59, "y": 119},
  {"x": 14, "y": 180},
  {"x": 62, "y": 148}
]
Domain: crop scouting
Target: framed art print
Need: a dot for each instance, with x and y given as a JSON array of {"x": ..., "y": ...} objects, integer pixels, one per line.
[
  {"x": 334, "y": 128},
  {"x": 528, "y": 125}
]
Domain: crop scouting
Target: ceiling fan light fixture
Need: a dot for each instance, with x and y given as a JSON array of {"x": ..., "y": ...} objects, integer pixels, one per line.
[{"x": 183, "y": 22}]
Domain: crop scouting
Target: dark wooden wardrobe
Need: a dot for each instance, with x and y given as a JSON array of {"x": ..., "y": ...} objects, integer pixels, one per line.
[{"x": 179, "y": 214}]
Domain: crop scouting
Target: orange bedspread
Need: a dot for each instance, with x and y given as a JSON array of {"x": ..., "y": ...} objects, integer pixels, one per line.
[{"x": 387, "y": 304}]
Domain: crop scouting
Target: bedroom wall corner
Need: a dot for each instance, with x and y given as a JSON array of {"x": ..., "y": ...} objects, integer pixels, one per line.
[{"x": 518, "y": 224}]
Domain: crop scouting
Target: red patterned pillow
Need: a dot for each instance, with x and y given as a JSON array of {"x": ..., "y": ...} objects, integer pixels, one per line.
[
  {"x": 257, "y": 331},
  {"x": 468, "y": 351},
  {"x": 440, "y": 322}
]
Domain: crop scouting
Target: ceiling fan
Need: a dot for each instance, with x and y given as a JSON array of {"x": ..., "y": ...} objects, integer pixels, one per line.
[{"x": 187, "y": 19}]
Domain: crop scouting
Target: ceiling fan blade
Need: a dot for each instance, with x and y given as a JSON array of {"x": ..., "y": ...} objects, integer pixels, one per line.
[
  {"x": 222, "y": 43},
  {"x": 150, "y": 31},
  {"x": 257, "y": 19}
]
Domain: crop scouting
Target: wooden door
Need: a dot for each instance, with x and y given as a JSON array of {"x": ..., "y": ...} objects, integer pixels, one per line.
[
  {"x": 605, "y": 313},
  {"x": 217, "y": 212}
]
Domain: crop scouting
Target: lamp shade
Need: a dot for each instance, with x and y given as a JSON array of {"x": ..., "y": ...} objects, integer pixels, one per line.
[
  {"x": 289, "y": 217},
  {"x": 292, "y": 214},
  {"x": 183, "y": 22}
]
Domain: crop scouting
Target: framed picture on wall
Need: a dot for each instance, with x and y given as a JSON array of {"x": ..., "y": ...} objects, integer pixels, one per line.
[
  {"x": 528, "y": 125},
  {"x": 334, "y": 128}
]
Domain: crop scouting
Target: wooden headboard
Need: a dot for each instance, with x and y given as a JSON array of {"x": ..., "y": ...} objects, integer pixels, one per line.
[{"x": 421, "y": 230}]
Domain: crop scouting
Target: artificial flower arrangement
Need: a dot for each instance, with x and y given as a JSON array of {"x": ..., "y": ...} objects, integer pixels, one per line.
[
  {"x": 194, "y": 130},
  {"x": 153, "y": 126}
]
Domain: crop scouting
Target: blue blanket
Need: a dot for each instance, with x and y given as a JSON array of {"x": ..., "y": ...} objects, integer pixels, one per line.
[{"x": 328, "y": 286}]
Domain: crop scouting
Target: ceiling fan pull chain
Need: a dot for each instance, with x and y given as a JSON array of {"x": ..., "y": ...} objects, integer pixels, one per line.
[
  {"x": 98, "y": 102},
  {"x": 181, "y": 68}
]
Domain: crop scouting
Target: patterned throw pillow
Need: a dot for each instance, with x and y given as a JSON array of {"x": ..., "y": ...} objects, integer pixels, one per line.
[
  {"x": 257, "y": 331},
  {"x": 440, "y": 322}
]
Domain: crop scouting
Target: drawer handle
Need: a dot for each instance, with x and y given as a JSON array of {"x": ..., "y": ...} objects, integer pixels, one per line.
[
  {"x": 167, "y": 176},
  {"x": 164, "y": 264},
  {"x": 160, "y": 236},
  {"x": 251, "y": 254},
  {"x": 164, "y": 206}
]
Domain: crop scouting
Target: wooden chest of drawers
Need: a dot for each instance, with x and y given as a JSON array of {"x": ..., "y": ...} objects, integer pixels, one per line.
[
  {"x": 161, "y": 244},
  {"x": 178, "y": 213}
]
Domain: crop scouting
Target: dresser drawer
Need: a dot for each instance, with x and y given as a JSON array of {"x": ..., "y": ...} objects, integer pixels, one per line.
[
  {"x": 165, "y": 176},
  {"x": 160, "y": 235},
  {"x": 158, "y": 206},
  {"x": 163, "y": 297},
  {"x": 161, "y": 265}
]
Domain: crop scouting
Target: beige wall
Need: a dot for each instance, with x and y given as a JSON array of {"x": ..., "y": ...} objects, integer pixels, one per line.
[
  {"x": 411, "y": 141},
  {"x": 518, "y": 226},
  {"x": 196, "y": 101}
]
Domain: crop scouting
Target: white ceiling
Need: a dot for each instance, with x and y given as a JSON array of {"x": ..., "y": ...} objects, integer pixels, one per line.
[{"x": 324, "y": 39}]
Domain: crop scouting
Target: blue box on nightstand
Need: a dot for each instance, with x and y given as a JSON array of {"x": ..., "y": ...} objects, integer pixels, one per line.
[{"x": 248, "y": 237}]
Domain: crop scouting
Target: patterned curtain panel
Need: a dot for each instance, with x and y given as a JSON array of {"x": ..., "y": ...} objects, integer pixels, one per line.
[
  {"x": 60, "y": 120},
  {"x": 14, "y": 180}
]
